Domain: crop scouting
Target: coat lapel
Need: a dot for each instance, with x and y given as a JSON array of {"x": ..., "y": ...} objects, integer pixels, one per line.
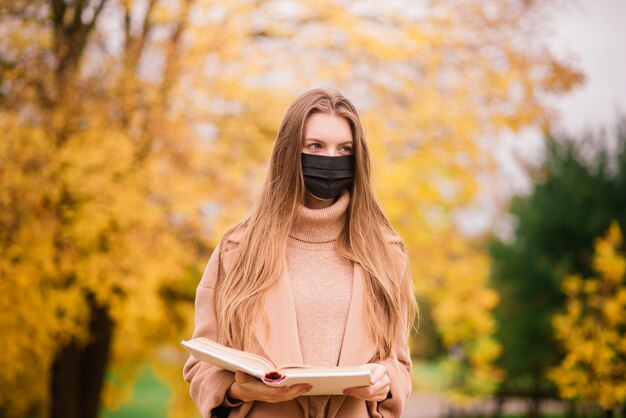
[
  {"x": 357, "y": 347},
  {"x": 282, "y": 344}
]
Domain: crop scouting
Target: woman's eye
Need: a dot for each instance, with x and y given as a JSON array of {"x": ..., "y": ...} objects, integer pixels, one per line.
[
  {"x": 347, "y": 149},
  {"x": 315, "y": 146}
]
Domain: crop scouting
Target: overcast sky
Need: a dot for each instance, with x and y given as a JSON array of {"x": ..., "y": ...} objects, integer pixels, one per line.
[{"x": 594, "y": 33}]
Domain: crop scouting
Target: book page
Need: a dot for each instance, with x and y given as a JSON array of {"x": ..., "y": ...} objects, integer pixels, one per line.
[{"x": 228, "y": 358}]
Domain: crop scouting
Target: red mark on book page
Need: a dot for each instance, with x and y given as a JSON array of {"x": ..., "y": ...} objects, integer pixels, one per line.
[{"x": 273, "y": 377}]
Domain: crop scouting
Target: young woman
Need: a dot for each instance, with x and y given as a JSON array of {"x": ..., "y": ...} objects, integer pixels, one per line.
[{"x": 315, "y": 275}]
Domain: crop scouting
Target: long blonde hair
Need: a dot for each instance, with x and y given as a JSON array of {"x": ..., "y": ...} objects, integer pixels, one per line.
[{"x": 258, "y": 259}]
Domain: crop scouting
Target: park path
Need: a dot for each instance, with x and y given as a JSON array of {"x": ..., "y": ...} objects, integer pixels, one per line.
[
  {"x": 433, "y": 405},
  {"x": 425, "y": 405}
]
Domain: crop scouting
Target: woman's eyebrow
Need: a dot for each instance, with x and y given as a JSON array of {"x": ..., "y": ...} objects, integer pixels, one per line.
[{"x": 349, "y": 141}]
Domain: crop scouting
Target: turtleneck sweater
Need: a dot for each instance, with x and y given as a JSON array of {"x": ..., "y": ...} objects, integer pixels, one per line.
[{"x": 321, "y": 283}]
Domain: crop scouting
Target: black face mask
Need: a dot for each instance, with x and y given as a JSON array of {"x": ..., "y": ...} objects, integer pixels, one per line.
[{"x": 324, "y": 176}]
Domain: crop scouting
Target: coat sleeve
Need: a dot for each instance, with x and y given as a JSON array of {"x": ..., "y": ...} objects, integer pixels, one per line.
[
  {"x": 208, "y": 383},
  {"x": 398, "y": 369},
  {"x": 398, "y": 364}
]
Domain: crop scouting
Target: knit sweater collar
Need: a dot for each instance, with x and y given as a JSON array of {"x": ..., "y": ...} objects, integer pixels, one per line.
[{"x": 321, "y": 225}]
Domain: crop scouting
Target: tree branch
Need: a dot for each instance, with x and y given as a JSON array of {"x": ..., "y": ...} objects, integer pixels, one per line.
[
  {"x": 169, "y": 77},
  {"x": 173, "y": 51},
  {"x": 96, "y": 14},
  {"x": 58, "y": 12},
  {"x": 78, "y": 13},
  {"x": 147, "y": 22},
  {"x": 127, "y": 20}
]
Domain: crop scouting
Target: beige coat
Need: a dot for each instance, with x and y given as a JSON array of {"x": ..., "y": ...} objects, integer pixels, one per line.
[{"x": 210, "y": 383}]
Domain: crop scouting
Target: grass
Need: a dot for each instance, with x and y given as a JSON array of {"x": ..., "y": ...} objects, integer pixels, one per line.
[
  {"x": 526, "y": 416},
  {"x": 427, "y": 376},
  {"x": 150, "y": 399}
]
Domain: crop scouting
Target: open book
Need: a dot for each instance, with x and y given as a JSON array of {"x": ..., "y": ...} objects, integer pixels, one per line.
[{"x": 325, "y": 380}]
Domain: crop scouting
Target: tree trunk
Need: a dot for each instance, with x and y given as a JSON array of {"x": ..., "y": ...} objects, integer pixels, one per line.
[
  {"x": 534, "y": 406},
  {"x": 78, "y": 371},
  {"x": 570, "y": 409},
  {"x": 499, "y": 407}
]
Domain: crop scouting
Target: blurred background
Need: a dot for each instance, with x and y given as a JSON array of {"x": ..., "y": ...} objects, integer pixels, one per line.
[{"x": 134, "y": 132}]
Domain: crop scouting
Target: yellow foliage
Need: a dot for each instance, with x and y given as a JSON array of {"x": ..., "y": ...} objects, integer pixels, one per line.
[
  {"x": 463, "y": 317},
  {"x": 592, "y": 329},
  {"x": 607, "y": 262}
]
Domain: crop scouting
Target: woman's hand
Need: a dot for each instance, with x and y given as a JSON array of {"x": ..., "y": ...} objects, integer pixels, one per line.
[
  {"x": 248, "y": 388},
  {"x": 378, "y": 390}
]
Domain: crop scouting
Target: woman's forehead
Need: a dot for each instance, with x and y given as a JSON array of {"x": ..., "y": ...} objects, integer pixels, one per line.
[{"x": 328, "y": 127}]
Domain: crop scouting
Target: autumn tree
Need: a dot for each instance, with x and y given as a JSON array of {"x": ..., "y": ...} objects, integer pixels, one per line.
[
  {"x": 136, "y": 131},
  {"x": 100, "y": 202},
  {"x": 577, "y": 192},
  {"x": 593, "y": 329},
  {"x": 464, "y": 319}
]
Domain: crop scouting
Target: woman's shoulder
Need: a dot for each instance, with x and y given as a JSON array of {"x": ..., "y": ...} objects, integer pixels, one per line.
[
  {"x": 232, "y": 236},
  {"x": 396, "y": 246},
  {"x": 391, "y": 237},
  {"x": 234, "y": 233}
]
